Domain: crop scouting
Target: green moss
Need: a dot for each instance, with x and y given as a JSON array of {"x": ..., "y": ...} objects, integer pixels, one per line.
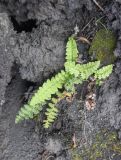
[
  {"x": 105, "y": 143},
  {"x": 76, "y": 156},
  {"x": 103, "y": 46}
]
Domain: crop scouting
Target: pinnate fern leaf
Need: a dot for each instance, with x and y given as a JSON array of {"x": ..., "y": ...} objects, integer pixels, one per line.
[
  {"x": 44, "y": 93},
  {"x": 51, "y": 114},
  {"x": 104, "y": 72},
  {"x": 88, "y": 69},
  {"x": 71, "y": 50}
]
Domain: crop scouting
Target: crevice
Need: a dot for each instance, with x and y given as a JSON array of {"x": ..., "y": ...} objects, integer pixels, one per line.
[
  {"x": 29, "y": 86},
  {"x": 26, "y": 26},
  {"x": 84, "y": 9},
  {"x": 53, "y": 3}
]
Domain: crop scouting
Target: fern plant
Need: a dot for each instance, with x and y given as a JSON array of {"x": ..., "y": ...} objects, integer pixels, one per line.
[{"x": 73, "y": 74}]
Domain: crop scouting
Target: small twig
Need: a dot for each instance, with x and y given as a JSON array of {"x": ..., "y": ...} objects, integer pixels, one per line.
[
  {"x": 74, "y": 141},
  {"x": 97, "y": 4},
  {"x": 87, "y": 25},
  {"x": 99, "y": 21}
]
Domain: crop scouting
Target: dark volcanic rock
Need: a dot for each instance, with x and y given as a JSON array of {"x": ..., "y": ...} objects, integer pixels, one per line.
[
  {"x": 38, "y": 52},
  {"x": 115, "y": 10},
  {"x": 17, "y": 142},
  {"x": 41, "y": 52},
  {"x": 6, "y": 54}
]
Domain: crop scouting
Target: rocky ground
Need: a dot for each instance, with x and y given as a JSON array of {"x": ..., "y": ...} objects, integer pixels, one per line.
[{"x": 33, "y": 35}]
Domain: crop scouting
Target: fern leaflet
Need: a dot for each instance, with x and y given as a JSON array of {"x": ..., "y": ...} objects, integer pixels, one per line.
[
  {"x": 51, "y": 114},
  {"x": 104, "y": 72},
  {"x": 71, "y": 50}
]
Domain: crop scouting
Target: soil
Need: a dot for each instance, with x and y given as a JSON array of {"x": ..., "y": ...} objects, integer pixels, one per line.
[{"x": 33, "y": 35}]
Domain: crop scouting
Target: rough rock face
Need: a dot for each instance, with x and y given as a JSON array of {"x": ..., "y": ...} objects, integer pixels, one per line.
[
  {"x": 111, "y": 92},
  {"x": 116, "y": 23},
  {"x": 107, "y": 113},
  {"x": 6, "y": 54},
  {"x": 17, "y": 142},
  {"x": 39, "y": 52}
]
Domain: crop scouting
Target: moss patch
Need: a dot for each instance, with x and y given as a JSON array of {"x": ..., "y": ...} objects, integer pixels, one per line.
[
  {"x": 103, "y": 46},
  {"x": 105, "y": 144}
]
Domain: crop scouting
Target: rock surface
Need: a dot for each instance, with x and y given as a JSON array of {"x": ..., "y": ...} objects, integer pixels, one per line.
[{"x": 34, "y": 55}]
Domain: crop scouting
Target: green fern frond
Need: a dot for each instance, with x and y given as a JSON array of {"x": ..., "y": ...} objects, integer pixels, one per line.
[
  {"x": 71, "y": 50},
  {"x": 104, "y": 72},
  {"x": 88, "y": 69},
  {"x": 73, "y": 74},
  {"x": 44, "y": 93},
  {"x": 51, "y": 114}
]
